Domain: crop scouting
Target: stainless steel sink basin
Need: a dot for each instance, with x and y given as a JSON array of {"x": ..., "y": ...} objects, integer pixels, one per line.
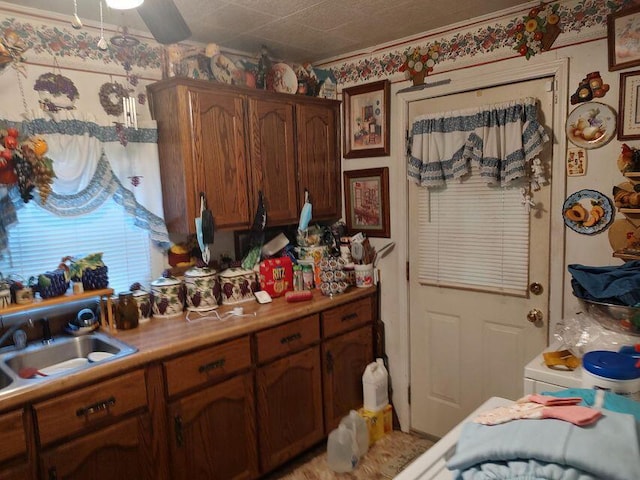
[
  {"x": 5, "y": 380},
  {"x": 63, "y": 356}
]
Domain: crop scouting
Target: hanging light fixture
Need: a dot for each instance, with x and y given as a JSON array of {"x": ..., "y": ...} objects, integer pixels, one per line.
[{"x": 124, "y": 4}]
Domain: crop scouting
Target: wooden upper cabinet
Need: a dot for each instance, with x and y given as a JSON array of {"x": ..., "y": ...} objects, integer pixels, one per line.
[
  {"x": 273, "y": 159},
  {"x": 220, "y": 156},
  {"x": 233, "y": 142},
  {"x": 319, "y": 157}
]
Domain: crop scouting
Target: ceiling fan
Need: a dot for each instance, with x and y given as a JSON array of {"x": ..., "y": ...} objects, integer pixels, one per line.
[{"x": 162, "y": 18}]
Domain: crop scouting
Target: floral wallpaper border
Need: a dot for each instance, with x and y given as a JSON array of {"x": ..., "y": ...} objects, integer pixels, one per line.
[
  {"x": 496, "y": 38},
  {"x": 60, "y": 42}
]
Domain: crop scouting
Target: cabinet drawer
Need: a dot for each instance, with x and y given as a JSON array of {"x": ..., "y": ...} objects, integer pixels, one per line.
[
  {"x": 287, "y": 338},
  {"x": 96, "y": 405},
  {"x": 346, "y": 317},
  {"x": 211, "y": 363},
  {"x": 12, "y": 436}
]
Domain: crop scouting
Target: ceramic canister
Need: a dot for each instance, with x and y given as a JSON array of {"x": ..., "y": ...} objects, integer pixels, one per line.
[
  {"x": 143, "y": 302},
  {"x": 168, "y": 297},
  {"x": 202, "y": 289},
  {"x": 237, "y": 285}
]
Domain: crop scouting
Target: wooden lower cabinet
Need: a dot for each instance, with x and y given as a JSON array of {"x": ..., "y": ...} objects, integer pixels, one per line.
[
  {"x": 213, "y": 432},
  {"x": 122, "y": 450},
  {"x": 289, "y": 407},
  {"x": 15, "y": 472},
  {"x": 344, "y": 359},
  {"x": 13, "y": 447}
]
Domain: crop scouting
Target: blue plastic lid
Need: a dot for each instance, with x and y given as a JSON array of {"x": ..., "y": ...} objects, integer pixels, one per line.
[{"x": 611, "y": 365}]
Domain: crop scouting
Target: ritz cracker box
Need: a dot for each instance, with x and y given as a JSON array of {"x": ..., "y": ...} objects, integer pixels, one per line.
[{"x": 276, "y": 276}]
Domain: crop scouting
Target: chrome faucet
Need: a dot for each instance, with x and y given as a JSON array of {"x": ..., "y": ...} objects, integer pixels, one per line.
[{"x": 19, "y": 337}]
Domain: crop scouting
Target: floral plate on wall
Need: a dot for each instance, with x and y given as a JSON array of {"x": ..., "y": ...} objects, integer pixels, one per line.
[{"x": 591, "y": 125}]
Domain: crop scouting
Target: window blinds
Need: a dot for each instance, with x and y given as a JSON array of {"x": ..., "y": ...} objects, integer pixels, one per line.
[
  {"x": 40, "y": 239},
  {"x": 473, "y": 236}
]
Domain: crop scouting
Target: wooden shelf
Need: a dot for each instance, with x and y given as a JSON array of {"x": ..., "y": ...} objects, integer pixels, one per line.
[
  {"x": 627, "y": 210},
  {"x": 632, "y": 175},
  {"x": 626, "y": 256},
  {"x": 62, "y": 299}
]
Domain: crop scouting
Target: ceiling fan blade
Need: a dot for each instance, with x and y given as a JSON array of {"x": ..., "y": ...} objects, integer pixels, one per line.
[{"x": 164, "y": 21}]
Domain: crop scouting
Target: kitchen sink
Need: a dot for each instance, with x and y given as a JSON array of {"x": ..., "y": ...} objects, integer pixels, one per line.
[
  {"x": 40, "y": 362},
  {"x": 5, "y": 380}
]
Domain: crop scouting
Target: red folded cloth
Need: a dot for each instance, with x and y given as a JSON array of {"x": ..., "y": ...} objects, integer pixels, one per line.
[
  {"x": 549, "y": 401},
  {"x": 572, "y": 413}
]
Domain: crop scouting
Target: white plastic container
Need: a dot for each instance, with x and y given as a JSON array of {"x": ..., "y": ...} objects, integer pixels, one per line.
[
  {"x": 611, "y": 371},
  {"x": 375, "y": 386},
  {"x": 342, "y": 448},
  {"x": 358, "y": 425}
]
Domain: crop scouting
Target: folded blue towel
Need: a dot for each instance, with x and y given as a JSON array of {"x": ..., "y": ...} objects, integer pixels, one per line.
[
  {"x": 521, "y": 470},
  {"x": 619, "y": 284},
  {"x": 608, "y": 449}
]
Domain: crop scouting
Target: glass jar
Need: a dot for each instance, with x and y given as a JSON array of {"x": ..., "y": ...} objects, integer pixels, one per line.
[{"x": 126, "y": 312}]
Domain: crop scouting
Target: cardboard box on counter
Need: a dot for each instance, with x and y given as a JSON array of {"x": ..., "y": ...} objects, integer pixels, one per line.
[{"x": 378, "y": 423}]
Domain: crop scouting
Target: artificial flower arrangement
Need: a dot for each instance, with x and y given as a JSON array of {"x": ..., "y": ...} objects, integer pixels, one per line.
[
  {"x": 537, "y": 31},
  {"x": 23, "y": 163},
  {"x": 420, "y": 60}
]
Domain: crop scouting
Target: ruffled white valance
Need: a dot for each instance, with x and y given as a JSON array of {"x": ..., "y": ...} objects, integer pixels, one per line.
[
  {"x": 501, "y": 139},
  {"x": 91, "y": 165}
]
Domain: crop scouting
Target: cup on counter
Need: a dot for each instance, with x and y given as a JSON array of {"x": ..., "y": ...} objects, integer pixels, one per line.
[{"x": 364, "y": 275}]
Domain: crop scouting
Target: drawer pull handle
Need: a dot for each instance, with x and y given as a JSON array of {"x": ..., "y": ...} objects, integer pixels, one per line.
[
  {"x": 290, "y": 338},
  {"x": 211, "y": 366},
  {"x": 329, "y": 362},
  {"x": 96, "y": 407},
  {"x": 177, "y": 422},
  {"x": 351, "y": 316}
]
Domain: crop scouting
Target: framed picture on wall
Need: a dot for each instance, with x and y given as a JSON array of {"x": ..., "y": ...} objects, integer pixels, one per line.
[
  {"x": 629, "y": 107},
  {"x": 622, "y": 38},
  {"x": 367, "y": 201},
  {"x": 366, "y": 120}
]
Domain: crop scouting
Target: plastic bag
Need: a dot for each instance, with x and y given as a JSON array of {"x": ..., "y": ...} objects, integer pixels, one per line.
[{"x": 583, "y": 333}]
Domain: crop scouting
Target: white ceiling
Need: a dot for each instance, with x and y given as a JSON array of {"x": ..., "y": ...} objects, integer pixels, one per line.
[{"x": 296, "y": 30}]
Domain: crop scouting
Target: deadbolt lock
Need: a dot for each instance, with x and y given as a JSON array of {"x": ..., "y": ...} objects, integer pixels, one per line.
[{"x": 536, "y": 288}]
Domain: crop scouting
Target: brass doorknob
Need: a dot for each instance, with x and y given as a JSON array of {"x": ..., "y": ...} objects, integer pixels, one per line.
[{"x": 535, "y": 315}]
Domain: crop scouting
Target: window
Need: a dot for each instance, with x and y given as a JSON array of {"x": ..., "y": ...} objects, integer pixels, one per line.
[
  {"x": 39, "y": 241},
  {"x": 474, "y": 236}
]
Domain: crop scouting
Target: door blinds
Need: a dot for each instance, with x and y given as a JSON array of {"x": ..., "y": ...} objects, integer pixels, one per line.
[{"x": 473, "y": 236}]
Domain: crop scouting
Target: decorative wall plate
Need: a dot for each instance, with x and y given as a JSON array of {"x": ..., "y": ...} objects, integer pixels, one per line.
[
  {"x": 282, "y": 79},
  {"x": 587, "y": 212},
  {"x": 223, "y": 69},
  {"x": 591, "y": 125}
]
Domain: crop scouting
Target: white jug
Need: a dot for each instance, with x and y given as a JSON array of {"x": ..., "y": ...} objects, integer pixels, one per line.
[
  {"x": 374, "y": 386},
  {"x": 358, "y": 425},
  {"x": 342, "y": 450}
]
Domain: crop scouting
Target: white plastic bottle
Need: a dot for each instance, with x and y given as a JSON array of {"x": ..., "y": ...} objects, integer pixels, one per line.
[
  {"x": 358, "y": 425},
  {"x": 341, "y": 450},
  {"x": 375, "y": 386}
]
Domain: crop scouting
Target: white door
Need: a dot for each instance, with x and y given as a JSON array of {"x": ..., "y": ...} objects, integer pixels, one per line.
[{"x": 468, "y": 345}]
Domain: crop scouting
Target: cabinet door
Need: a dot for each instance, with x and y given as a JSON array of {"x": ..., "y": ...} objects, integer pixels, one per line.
[
  {"x": 220, "y": 155},
  {"x": 16, "y": 472},
  {"x": 273, "y": 160},
  {"x": 289, "y": 407},
  {"x": 344, "y": 360},
  {"x": 122, "y": 450},
  {"x": 213, "y": 434},
  {"x": 319, "y": 158}
]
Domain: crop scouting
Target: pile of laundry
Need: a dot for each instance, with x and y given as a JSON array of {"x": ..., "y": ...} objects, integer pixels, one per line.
[{"x": 618, "y": 285}]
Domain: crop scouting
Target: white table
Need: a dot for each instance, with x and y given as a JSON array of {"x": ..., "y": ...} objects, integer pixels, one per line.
[{"x": 431, "y": 465}]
